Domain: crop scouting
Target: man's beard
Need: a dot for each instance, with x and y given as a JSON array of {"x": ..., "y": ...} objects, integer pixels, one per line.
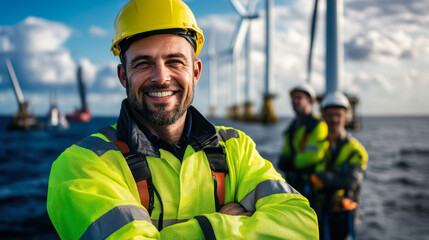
[{"x": 159, "y": 117}]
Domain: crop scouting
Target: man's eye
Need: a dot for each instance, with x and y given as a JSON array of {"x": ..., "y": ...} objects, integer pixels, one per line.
[
  {"x": 175, "y": 61},
  {"x": 142, "y": 64}
]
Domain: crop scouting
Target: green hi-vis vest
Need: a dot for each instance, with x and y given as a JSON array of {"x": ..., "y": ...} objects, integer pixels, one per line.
[
  {"x": 342, "y": 171},
  {"x": 92, "y": 194},
  {"x": 306, "y": 143}
]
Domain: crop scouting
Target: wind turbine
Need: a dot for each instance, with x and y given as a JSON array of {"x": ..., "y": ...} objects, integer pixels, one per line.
[
  {"x": 239, "y": 38},
  {"x": 267, "y": 113},
  {"x": 334, "y": 57},
  {"x": 312, "y": 34},
  {"x": 212, "y": 72}
]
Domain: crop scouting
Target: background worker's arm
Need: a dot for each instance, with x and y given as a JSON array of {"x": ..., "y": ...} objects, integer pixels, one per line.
[
  {"x": 341, "y": 179},
  {"x": 350, "y": 176},
  {"x": 278, "y": 212},
  {"x": 314, "y": 149},
  {"x": 286, "y": 161}
]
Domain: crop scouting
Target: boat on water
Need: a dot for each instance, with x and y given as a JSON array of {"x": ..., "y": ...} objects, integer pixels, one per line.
[
  {"x": 82, "y": 114},
  {"x": 56, "y": 119},
  {"x": 23, "y": 119}
]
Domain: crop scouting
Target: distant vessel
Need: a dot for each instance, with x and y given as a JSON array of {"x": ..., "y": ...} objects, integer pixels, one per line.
[
  {"x": 23, "y": 120},
  {"x": 82, "y": 114},
  {"x": 55, "y": 119}
]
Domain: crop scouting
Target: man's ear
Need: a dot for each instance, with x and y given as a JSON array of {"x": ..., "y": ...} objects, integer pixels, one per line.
[
  {"x": 122, "y": 76},
  {"x": 198, "y": 67}
]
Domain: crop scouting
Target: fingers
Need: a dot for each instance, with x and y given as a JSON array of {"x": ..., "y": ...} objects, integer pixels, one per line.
[{"x": 234, "y": 209}]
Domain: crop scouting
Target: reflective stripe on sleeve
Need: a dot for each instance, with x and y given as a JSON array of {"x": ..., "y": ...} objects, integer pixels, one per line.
[
  {"x": 311, "y": 148},
  {"x": 113, "y": 220},
  {"x": 264, "y": 189},
  {"x": 96, "y": 144},
  {"x": 168, "y": 222}
]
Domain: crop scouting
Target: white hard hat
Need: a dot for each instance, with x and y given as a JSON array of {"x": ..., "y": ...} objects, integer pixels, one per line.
[
  {"x": 305, "y": 87},
  {"x": 335, "y": 99}
]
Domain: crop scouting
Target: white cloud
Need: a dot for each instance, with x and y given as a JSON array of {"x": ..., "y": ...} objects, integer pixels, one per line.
[
  {"x": 5, "y": 44},
  {"x": 376, "y": 83},
  {"x": 35, "y": 47},
  {"x": 97, "y": 31},
  {"x": 386, "y": 56},
  {"x": 106, "y": 80},
  {"x": 42, "y": 63},
  {"x": 379, "y": 45},
  {"x": 39, "y": 35},
  {"x": 89, "y": 71},
  {"x": 381, "y": 42}
]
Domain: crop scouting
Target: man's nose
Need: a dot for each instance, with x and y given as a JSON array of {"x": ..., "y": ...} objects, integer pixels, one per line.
[{"x": 160, "y": 74}]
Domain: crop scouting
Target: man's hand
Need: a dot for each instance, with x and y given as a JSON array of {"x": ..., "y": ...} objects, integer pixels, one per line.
[{"x": 234, "y": 209}]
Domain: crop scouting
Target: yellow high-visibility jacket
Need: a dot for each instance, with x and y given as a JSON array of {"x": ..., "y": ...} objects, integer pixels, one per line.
[
  {"x": 305, "y": 144},
  {"x": 341, "y": 172},
  {"x": 92, "y": 193},
  {"x": 309, "y": 142}
]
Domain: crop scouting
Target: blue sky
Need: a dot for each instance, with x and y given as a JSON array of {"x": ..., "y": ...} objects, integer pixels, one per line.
[
  {"x": 81, "y": 14},
  {"x": 386, "y": 52}
]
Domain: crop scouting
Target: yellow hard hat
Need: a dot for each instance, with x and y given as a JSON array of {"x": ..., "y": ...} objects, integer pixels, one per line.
[{"x": 143, "y": 16}]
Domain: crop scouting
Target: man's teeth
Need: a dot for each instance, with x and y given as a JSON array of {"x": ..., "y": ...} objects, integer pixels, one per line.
[{"x": 160, "y": 94}]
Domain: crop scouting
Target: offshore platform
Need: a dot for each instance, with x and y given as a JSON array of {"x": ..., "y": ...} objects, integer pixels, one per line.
[
  {"x": 23, "y": 119},
  {"x": 82, "y": 114}
]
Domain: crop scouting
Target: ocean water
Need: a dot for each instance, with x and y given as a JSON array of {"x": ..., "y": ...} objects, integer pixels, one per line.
[{"x": 394, "y": 196}]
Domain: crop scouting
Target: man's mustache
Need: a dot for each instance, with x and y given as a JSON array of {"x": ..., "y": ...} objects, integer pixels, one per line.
[{"x": 155, "y": 87}]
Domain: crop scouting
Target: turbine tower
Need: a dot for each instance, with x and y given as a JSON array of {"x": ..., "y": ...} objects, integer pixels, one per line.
[
  {"x": 212, "y": 73},
  {"x": 239, "y": 38},
  {"x": 334, "y": 57},
  {"x": 267, "y": 113}
]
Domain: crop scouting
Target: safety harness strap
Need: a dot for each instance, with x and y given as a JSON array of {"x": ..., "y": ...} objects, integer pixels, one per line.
[
  {"x": 217, "y": 160},
  {"x": 310, "y": 125},
  {"x": 141, "y": 173},
  {"x": 139, "y": 167}
]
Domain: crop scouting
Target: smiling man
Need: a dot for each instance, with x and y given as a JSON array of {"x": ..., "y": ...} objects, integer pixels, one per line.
[{"x": 164, "y": 171}]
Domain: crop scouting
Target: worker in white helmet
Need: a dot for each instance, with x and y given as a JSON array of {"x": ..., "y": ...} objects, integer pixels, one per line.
[
  {"x": 338, "y": 178},
  {"x": 304, "y": 140}
]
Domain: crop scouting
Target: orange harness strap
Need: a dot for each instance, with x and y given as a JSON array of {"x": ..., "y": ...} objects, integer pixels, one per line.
[
  {"x": 220, "y": 191},
  {"x": 143, "y": 193},
  {"x": 215, "y": 155},
  {"x": 123, "y": 146},
  {"x": 304, "y": 142},
  {"x": 142, "y": 185},
  {"x": 217, "y": 159}
]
